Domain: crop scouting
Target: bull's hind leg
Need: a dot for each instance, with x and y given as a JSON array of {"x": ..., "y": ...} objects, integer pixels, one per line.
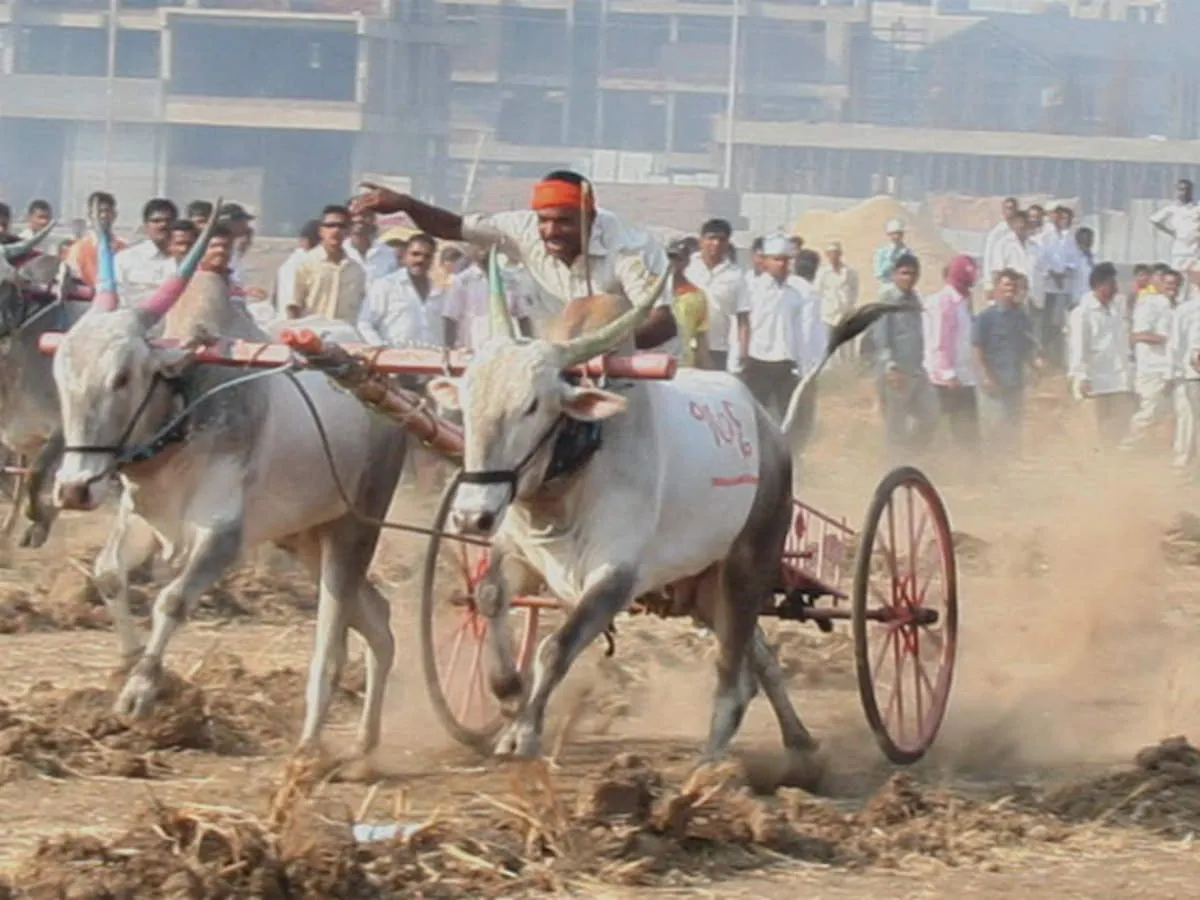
[
  {"x": 346, "y": 599},
  {"x": 734, "y": 619},
  {"x": 214, "y": 549},
  {"x": 766, "y": 668},
  {"x": 607, "y": 594}
]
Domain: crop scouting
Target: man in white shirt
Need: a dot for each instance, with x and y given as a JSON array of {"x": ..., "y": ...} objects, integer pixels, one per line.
[
  {"x": 1082, "y": 260},
  {"x": 37, "y": 217},
  {"x": 1008, "y": 209},
  {"x": 285, "y": 276},
  {"x": 140, "y": 269},
  {"x": 1099, "y": 353},
  {"x": 711, "y": 270},
  {"x": 405, "y": 307},
  {"x": 1011, "y": 250},
  {"x": 1181, "y": 220},
  {"x": 1153, "y": 317},
  {"x": 365, "y": 249},
  {"x": 549, "y": 240},
  {"x": 1058, "y": 265},
  {"x": 837, "y": 285},
  {"x": 1184, "y": 350},
  {"x": 781, "y": 320},
  {"x": 466, "y": 315}
]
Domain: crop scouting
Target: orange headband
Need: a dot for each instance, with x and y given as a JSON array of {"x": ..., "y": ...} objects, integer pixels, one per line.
[{"x": 551, "y": 194}]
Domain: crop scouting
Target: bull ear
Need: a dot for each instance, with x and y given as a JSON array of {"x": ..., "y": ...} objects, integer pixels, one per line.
[
  {"x": 593, "y": 404},
  {"x": 173, "y": 361},
  {"x": 444, "y": 392}
]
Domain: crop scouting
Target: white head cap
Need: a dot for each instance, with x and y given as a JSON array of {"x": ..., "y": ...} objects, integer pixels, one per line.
[
  {"x": 777, "y": 245},
  {"x": 893, "y": 226}
]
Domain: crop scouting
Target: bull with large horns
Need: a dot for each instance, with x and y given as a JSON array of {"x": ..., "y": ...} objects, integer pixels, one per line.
[{"x": 217, "y": 464}]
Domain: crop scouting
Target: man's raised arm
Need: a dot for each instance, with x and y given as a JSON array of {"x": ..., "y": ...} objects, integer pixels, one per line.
[{"x": 433, "y": 220}]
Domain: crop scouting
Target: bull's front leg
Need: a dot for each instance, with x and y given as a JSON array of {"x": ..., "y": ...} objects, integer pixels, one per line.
[
  {"x": 129, "y": 544},
  {"x": 41, "y": 514},
  {"x": 214, "y": 548},
  {"x": 607, "y": 593},
  {"x": 506, "y": 575}
]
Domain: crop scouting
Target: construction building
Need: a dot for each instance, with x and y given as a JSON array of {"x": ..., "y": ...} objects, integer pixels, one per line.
[
  {"x": 278, "y": 104},
  {"x": 627, "y": 90}
]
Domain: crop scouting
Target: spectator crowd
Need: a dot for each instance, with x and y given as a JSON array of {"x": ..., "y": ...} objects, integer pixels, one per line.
[{"x": 960, "y": 350}]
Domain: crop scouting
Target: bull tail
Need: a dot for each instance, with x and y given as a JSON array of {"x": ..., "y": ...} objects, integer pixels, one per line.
[{"x": 850, "y": 327}]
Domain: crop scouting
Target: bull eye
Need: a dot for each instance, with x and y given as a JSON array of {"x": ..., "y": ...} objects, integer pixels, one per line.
[
  {"x": 533, "y": 407},
  {"x": 121, "y": 381}
]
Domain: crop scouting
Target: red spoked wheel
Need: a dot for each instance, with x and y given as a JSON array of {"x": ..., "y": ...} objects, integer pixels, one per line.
[
  {"x": 454, "y": 633},
  {"x": 904, "y": 614}
]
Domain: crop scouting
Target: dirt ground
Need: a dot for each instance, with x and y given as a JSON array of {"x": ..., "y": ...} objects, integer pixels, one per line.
[{"x": 1078, "y": 624}]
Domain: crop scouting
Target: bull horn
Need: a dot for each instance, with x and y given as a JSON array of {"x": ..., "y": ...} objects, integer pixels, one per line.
[
  {"x": 502, "y": 323},
  {"x": 600, "y": 341},
  {"x": 17, "y": 249},
  {"x": 105, "y": 296},
  {"x": 168, "y": 293}
]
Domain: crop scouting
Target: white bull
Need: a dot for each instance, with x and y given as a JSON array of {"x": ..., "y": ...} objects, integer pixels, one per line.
[
  {"x": 249, "y": 468},
  {"x": 689, "y": 492}
]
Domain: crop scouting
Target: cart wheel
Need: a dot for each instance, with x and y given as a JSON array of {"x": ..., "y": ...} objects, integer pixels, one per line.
[
  {"x": 906, "y": 584},
  {"x": 453, "y": 634}
]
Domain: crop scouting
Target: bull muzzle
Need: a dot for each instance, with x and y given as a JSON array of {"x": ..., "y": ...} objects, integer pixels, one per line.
[{"x": 474, "y": 522}]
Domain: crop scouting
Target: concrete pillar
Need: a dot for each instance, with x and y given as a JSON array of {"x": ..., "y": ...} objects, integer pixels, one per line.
[{"x": 670, "y": 117}]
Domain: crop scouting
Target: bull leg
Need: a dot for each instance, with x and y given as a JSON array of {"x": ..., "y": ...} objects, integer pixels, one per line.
[
  {"x": 125, "y": 549},
  {"x": 766, "y": 667},
  {"x": 214, "y": 549},
  {"x": 734, "y": 620},
  {"x": 606, "y": 596},
  {"x": 506, "y": 575},
  {"x": 374, "y": 623},
  {"x": 41, "y": 514}
]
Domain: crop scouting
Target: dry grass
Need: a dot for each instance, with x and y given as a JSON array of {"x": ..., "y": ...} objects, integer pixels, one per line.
[{"x": 629, "y": 826}]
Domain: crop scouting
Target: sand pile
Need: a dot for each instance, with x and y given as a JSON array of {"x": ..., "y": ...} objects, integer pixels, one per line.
[
  {"x": 860, "y": 228},
  {"x": 219, "y": 708}
]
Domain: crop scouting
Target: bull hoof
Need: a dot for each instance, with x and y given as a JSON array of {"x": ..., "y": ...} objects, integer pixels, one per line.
[
  {"x": 34, "y": 536},
  {"x": 136, "y": 699},
  {"x": 519, "y": 741}
]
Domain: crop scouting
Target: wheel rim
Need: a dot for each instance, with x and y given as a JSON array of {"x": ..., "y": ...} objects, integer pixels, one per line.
[
  {"x": 459, "y": 633},
  {"x": 911, "y": 648}
]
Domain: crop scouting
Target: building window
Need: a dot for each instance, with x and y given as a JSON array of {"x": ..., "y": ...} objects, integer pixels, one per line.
[
  {"x": 138, "y": 54},
  {"x": 48, "y": 50}
]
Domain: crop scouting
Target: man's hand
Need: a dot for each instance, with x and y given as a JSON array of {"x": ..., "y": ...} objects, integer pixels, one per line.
[
  {"x": 256, "y": 292},
  {"x": 378, "y": 199},
  {"x": 953, "y": 382}
]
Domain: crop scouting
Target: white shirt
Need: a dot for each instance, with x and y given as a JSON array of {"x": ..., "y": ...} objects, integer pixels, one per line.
[
  {"x": 1098, "y": 345},
  {"x": 394, "y": 313},
  {"x": 468, "y": 302},
  {"x": 1008, "y": 252},
  {"x": 140, "y": 270},
  {"x": 1081, "y": 269},
  {"x": 998, "y": 231},
  {"x": 784, "y": 323},
  {"x": 379, "y": 260},
  {"x": 1056, "y": 256},
  {"x": 1153, "y": 313},
  {"x": 1182, "y": 222},
  {"x": 1185, "y": 339},
  {"x": 623, "y": 261},
  {"x": 285, "y": 281},
  {"x": 728, "y": 295},
  {"x": 839, "y": 291}
]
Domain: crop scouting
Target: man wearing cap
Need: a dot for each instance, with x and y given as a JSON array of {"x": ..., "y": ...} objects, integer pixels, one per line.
[
  {"x": 778, "y": 330},
  {"x": 549, "y": 239},
  {"x": 235, "y": 216},
  {"x": 726, "y": 289},
  {"x": 886, "y": 256},
  {"x": 837, "y": 285}
]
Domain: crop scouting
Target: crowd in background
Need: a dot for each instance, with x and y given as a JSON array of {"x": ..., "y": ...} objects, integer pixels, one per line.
[{"x": 958, "y": 352}]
